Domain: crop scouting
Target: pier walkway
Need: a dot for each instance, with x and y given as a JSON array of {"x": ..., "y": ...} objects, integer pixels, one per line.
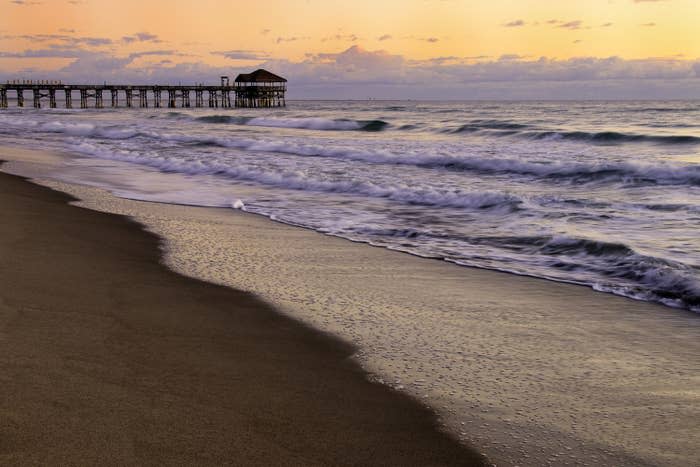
[{"x": 246, "y": 91}]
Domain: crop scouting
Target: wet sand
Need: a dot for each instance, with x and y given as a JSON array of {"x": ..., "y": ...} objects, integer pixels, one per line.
[
  {"x": 529, "y": 371},
  {"x": 109, "y": 358}
]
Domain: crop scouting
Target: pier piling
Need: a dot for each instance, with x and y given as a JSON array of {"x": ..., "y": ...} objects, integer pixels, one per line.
[
  {"x": 115, "y": 98},
  {"x": 52, "y": 98},
  {"x": 143, "y": 98}
]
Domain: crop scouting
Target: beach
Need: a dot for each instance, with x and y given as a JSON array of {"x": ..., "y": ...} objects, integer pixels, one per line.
[
  {"x": 527, "y": 371},
  {"x": 107, "y": 357},
  {"x": 402, "y": 233}
]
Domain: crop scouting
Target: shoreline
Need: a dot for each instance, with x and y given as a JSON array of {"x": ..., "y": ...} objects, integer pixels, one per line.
[
  {"x": 110, "y": 357},
  {"x": 528, "y": 403}
]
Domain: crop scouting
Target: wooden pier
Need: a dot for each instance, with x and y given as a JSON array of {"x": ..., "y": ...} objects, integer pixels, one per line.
[{"x": 258, "y": 89}]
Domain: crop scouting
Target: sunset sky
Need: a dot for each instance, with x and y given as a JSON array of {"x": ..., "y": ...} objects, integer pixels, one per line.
[{"x": 381, "y": 48}]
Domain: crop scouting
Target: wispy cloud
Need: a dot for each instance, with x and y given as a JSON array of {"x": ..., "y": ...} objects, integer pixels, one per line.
[
  {"x": 606, "y": 25},
  {"x": 24, "y": 2},
  {"x": 515, "y": 24},
  {"x": 649, "y": 25},
  {"x": 341, "y": 37},
  {"x": 282, "y": 39},
  {"x": 571, "y": 24},
  {"x": 141, "y": 37},
  {"x": 63, "y": 39},
  {"x": 243, "y": 54},
  {"x": 384, "y": 37}
]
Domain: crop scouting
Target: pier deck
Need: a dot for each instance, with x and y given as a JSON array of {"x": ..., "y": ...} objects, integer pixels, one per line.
[{"x": 244, "y": 95}]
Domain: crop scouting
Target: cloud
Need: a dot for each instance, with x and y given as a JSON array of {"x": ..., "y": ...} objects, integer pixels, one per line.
[
  {"x": 84, "y": 54},
  {"x": 384, "y": 37},
  {"x": 243, "y": 54},
  {"x": 64, "y": 40},
  {"x": 42, "y": 53},
  {"x": 571, "y": 24},
  {"x": 355, "y": 72},
  {"x": 577, "y": 41},
  {"x": 67, "y": 31},
  {"x": 648, "y": 1},
  {"x": 606, "y": 25},
  {"x": 341, "y": 37},
  {"x": 649, "y": 25},
  {"x": 141, "y": 37},
  {"x": 24, "y": 2},
  {"x": 430, "y": 39},
  {"x": 354, "y": 69},
  {"x": 515, "y": 24},
  {"x": 282, "y": 39},
  {"x": 265, "y": 32},
  {"x": 506, "y": 57}
]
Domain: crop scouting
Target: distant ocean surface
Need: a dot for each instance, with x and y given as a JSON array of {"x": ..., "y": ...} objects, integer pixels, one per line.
[{"x": 603, "y": 194}]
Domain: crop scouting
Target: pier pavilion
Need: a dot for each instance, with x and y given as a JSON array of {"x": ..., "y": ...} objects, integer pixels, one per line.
[{"x": 260, "y": 89}]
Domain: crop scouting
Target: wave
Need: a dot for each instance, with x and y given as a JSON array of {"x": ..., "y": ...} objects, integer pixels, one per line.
[
  {"x": 479, "y": 125},
  {"x": 608, "y": 266},
  {"x": 307, "y": 123},
  {"x": 605, "y": 266},
  {"x": 223, "y": 119},
  {"x": 88, "y": 129},
  {"x": 505, "y": 128},
  {"x": 624, "y": 172},
  {"x": 609, "y": 137},
  {"x": 665, "y": 109},
  {"x": 572, "y": 172},
  {"x": 295, "y": 180}
]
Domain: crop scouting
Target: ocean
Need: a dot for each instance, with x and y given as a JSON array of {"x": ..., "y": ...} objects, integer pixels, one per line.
[{"x": 602, "y": 194}]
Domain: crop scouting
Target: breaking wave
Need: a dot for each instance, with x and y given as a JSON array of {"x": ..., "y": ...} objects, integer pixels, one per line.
[
  {"x": 522, "y": 130},
  {"x": 612, "y": 137},
  {"x": 630, "y": 273},
  {"x": 626, "y": 172},
  {"x": 295, "y": 180},
  {"x": 306, "y": 123},
  {"x": 572, "y": 172}
]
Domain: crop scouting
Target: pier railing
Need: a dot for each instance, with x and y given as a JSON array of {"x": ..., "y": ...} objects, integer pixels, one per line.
[{"x": 244, "y": 95}]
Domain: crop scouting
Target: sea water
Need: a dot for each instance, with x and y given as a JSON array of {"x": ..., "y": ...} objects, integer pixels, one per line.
[{"x": 603, "y": 194}]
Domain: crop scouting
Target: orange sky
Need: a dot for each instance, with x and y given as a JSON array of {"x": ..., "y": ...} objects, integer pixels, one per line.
[{"x": 35, "y": 35}]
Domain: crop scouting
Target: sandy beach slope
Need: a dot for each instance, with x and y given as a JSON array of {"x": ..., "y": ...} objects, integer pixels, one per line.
[{"x": 107, "y": 357}]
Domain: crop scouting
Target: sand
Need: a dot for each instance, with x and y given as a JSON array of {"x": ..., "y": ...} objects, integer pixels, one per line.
[
  {"x": 529, "y": 371},
  {"x": 109, "y": 358}
]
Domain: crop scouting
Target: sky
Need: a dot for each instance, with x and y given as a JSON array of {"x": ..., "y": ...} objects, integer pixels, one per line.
[{"x": 381, "y": 49}]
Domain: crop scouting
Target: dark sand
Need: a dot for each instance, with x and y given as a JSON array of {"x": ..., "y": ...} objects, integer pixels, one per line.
[{"x": 108, "y": 357}]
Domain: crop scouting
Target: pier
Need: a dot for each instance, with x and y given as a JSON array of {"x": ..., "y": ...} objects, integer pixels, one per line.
[{"x": 260, "y": 89}]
